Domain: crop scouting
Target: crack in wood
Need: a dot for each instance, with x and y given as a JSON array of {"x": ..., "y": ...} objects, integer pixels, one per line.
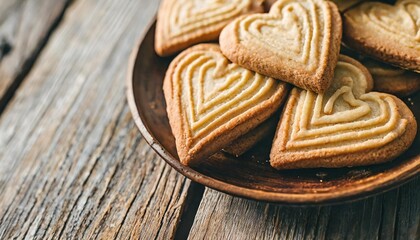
[
  {"x": 189, "y": 210},
  {"x": 130, "y": 204},
  {"x": 6, "y": 48}
]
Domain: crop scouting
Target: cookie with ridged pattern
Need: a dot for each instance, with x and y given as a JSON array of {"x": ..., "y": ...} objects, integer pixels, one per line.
[
  {"x": 389, "y": 33},
  {"x": 211, "y": 101},
  {"x": 390, "y": 79},
  {"x": 184, "y": 23},
  {"x": 346, "y": 126},
  {"x": 297, "y": 42}
]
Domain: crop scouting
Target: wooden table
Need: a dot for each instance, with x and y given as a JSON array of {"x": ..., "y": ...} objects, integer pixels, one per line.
[{"x": 73, "y": 164}]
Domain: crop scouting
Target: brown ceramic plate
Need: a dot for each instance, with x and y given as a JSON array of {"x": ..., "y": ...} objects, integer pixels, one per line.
[{"x": 251, "y": 176}]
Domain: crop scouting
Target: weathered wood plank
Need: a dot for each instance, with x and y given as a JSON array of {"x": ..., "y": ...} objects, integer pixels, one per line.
[
  {"x": 395, "y": 214},
  {"x": 72, "y": 163},
  {"x": 24, "y": 29}
]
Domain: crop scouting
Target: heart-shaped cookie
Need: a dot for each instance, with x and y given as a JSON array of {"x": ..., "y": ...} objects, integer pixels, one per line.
[
  {"x": 386, "y": 32},
  {"x": 345, "y": 126},
  {"x": 211, "y": 102},
  {"x": 341, "y": 4},
  {"x": 183, "y": 23},
  {"x": 391, "y": 79},
  {"x": 244, "y": 143},
  {"x": 387, "y": 78},
  {"x": 297, "y": 42}
]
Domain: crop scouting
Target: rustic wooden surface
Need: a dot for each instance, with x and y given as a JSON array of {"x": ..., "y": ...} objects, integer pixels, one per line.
[
  {"x": 25, "y": 26},
  {"x": 73, "y": 165},
  {"x": 391, "y": 215}
]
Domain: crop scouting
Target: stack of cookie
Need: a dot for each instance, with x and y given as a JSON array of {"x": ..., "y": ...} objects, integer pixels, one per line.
[{"x": 281, "y": 72}]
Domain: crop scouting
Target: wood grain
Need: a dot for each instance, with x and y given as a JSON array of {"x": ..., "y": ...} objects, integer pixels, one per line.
[
  {"x": 72, "y": 163},
  {"x": 395, "y": 214},
  {"x": 25, "y": 26}
]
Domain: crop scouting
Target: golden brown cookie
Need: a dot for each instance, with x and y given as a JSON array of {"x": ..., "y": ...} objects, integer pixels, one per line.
[
  {"x": 297, "y": 42},
  {"x": 268, "y": 4},
  {"x": 343, "y": 5},
  {"x": 392, "y": 80},
  {"x": 387, "y": 78},
  {"x": 211, "y": 101},
  {"x": 183, "y": 23},
  {"x": 250, "y": 139},
  {"x": 346, "y": 126},
  {"x": 386, "y": 32}
]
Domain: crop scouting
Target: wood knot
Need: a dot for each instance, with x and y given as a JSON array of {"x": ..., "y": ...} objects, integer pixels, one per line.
[{"x": 5, "y": 48}]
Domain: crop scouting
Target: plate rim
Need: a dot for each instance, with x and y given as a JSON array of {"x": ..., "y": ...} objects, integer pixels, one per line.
[{"x": 369, "y": 189}]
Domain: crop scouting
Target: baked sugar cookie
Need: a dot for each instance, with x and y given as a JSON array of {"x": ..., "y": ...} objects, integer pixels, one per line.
[
  {"x": 386, "y": 32},
  {"x": 246, "y": 142},
  {"x": 391, "y": 79},
  {"x": 183, "y": 23},
  {"x": 268, "y": 4},
  {"x": 341, "y": 4},
  {"x": 387, "y": 78},
  {"x": 346, "y": 126},
  {"x": 211, "y": 101},
  {"x": 297, "y": 42}
]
